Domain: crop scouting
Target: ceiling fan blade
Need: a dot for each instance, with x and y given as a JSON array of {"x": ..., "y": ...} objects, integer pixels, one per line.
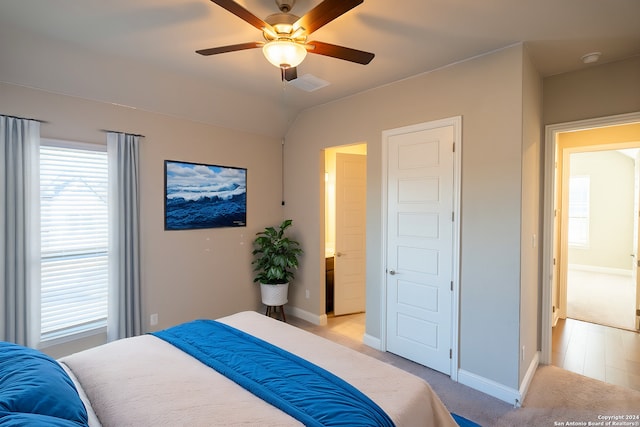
[
  {"x": 230, "y": 48},
  {"x": 324, "y": 13},
  {"x": 242, "y": 13},
  {"x": 340, "y": 52},
  {"x": 289, "y": 74}
]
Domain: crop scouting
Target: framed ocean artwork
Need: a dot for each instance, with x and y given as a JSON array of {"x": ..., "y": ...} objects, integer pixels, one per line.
[{"x": 204, "y": 196}]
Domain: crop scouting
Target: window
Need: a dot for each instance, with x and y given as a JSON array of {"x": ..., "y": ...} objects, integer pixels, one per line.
[
  {"x": 74, "y": 231},
  {"x": 579, "y": 210}
]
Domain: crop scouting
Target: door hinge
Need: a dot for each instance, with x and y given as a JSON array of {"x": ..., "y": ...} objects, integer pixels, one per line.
[
  {"x": 554, "y": 261},
  {"x": 454, "y": 147},
  {"x": 638, "y": 312},
  {"x": 452, "y": 285},
  {"x": 453, "y": 216},
  {"x": 450, "y": 354},
  {"x": 553, "y": 309}
]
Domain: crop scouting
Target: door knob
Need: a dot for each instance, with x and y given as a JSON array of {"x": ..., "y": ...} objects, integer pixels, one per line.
[
  {"x": 338, "y": 254},
  {"x": 392, "y": 272}
]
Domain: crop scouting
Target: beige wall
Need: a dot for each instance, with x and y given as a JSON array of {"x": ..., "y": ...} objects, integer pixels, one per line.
[
  {"x": 487, "y": 93},
  {"x": 611, "y": 209},
  {"x": 599, "y": 91},
  {"x": 185, "y": 274},
  {"x": 530, "y": 290}
]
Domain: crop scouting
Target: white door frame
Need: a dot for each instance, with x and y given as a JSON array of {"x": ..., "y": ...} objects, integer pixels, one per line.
[
  {"x": 551, "y": 132},
  {"x": 456, "y": 122}
]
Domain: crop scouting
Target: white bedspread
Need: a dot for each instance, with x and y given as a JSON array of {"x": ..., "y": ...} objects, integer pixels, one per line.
[{"x": 145, "y": 381}]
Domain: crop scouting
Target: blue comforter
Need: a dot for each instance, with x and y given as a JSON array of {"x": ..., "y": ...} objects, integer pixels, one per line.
[{"x": 303, "y": 390}]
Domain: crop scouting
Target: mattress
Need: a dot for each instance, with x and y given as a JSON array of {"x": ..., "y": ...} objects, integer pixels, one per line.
[{"x": 145, "y": 381}]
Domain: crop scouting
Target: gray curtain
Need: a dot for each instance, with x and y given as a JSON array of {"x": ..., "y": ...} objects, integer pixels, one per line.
[
  {"x": 19, "y": 142},
  {"x": 125, "y": 313}
]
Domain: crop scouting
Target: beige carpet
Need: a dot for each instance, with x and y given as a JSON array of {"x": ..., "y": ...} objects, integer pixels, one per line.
[
  {"x": 558, "y": 396},
  {"x": 555, "y": 396},
  {"x": 605, "y": 299}
]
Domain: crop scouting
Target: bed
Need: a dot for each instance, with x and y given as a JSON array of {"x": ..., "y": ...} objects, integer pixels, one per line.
[{"x": 148, "y": 381}]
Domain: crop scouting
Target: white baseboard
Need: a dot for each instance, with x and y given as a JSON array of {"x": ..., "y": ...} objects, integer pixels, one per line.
[
  {"x": 305, "y": 315},
  {"x": 490, "y": 387},
  {"x": 500, "y": 391},
  {"x": 528, "y": 376},
  {"x": 372, "y": 342},
  {"x": 604, "y": 270}
]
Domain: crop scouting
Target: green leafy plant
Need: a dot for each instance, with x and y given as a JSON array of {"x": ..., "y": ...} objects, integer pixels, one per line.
[{"x": 276, "y": 255}]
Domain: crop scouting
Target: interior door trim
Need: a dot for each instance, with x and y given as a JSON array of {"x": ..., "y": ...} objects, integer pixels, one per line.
[{"x": 551, "y": 132}]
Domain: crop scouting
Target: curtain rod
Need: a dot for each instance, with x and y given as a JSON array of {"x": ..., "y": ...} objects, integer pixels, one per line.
[
  {"x": 115, "y": 131},
  {"x": 23, "y": 118}
]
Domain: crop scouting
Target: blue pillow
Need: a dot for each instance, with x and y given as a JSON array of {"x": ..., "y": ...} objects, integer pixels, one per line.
[{"x": 33, "y": 383}]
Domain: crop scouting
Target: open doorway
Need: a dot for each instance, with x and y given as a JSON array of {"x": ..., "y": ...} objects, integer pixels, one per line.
[
  {"x": 601, "y": 196},
  {"x": 345, "y": 238},
  {"x": 590, "y": 349}
]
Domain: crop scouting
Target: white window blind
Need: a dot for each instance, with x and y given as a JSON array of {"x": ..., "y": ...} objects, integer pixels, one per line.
[
  {"x": 74, "y": 240},
  {"x": 579, "y": 188}
]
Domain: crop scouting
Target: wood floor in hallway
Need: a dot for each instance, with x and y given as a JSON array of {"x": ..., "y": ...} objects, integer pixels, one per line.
[
  {"x": 350, "y": 325},
  {"x": 607, "y": 354}
]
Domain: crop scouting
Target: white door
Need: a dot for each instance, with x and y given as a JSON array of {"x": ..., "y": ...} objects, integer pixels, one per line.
[
  {"x": 350, "y": 258},
  {"x": 420, "y": 241},
  {"x": 636, "y": 244}
]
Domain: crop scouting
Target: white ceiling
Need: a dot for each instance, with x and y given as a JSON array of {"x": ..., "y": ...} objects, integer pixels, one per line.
[{"x": 141, "y": 53}]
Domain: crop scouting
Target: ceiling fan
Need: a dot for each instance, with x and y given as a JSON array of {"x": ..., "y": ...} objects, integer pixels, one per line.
[{"x": 285, "y": 34}]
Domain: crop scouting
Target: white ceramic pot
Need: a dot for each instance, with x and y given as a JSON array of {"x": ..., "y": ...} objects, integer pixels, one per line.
[{"x": 274, "y": 295}]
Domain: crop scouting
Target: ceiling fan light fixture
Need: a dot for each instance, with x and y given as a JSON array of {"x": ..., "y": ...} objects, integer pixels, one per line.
[
  {"x": 283, "y": 28},
  {"x": 284, "y": 53}
]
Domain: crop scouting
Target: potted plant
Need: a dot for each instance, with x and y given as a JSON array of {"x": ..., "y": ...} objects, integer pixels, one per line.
[{"x": 276, "y": 257}]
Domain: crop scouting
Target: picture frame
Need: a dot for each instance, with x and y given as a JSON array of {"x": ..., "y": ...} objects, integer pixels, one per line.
[{"x": 199, "y": 196}]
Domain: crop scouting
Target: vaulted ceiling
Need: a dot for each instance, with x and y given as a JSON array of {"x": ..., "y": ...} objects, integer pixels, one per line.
[{"x": 141, "y": 53}]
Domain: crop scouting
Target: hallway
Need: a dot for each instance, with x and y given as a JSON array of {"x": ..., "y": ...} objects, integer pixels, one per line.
[{"x": 607, "y": 354}]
